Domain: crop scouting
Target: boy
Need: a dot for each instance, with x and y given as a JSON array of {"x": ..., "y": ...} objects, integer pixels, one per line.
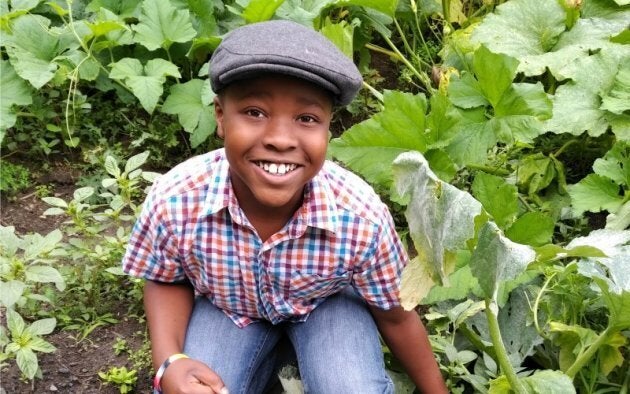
[{"x": 273, "y": 240}]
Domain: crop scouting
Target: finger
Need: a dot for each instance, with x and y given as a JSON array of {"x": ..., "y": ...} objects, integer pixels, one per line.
[{"x": 210, "y": 378}]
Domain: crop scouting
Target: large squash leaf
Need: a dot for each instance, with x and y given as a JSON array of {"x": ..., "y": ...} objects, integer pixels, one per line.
[
  {"x": 371, "y": 146},
  {"x": 535, "y": 32},
  {"x": 161, "y": 24},
  {"x": 145, "y": 82},
  {"x": 441, "y": 218},
  {"x": 577, "y": 105},
  {"x": 15, "y": 91},
  {"x": 192, "y": 103}
]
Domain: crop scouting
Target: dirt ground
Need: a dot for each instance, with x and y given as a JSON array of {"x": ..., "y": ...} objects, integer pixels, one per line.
[{"x": 74, "y": 367}]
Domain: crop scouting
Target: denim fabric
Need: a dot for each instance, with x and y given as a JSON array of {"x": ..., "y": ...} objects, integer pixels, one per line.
[{"x": 337, "y": 348}]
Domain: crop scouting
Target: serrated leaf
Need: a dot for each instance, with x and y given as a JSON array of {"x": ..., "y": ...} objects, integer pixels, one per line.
[
  {"x": 594, "y": 194},
  {"x": 43, "y": 274},
  {"x": 83, "y": 193},
  {"x": 471, "y": 143},
  {"x": 35, "y": 244},
  {"x": 535, "y": 172},
  {"x": 10, "y": 292},
  {"x": 15, "y": 323},
  {"x": 32, "y": 49},
  {"x": 497, "y": 259},
  {"x": 146, "y": 82},
  {"x": 576, "y": 104},
  {"x": 498, "y": 198},
  {"x": 161, "y": 24},
  {"x": 341, "y": 34},
  {"x": 465, "y": 92},
  {"x": 533, "y": 228},
  {"x": 38, "y": 344},
  {"x": 441, "y": 218},
  {"x": 42, "y": 326},
  {"x": 548, "y": 382},
  {"x": 27, "y": 362},
  {"x": 617, "y": 100},
  {"x": 372, "y": 145},
  {"x": 123, "y": 8},
  {"x": 494, "y": 72},
  {"x": 615, "y": 164},
  {"x": 136, "y": 161},
  {"x": 9, "y": 241},
  {"x": 15, "y": 91},
  {"x": 194, "y": 114}
]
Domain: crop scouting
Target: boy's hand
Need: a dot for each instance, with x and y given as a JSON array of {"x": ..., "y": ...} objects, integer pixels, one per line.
[{"x": 188, "y": 376}]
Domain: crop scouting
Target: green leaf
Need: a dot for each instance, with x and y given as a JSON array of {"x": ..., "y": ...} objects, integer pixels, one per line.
[
  {"x": 595, "y": 193},
  {"x": 387, "y": 7},
  {"x": 27, "y": 362},
  {"x": 535, "y": 173},
  {"x": 494, "y": 72},
  {"x": 9, "y": 242},
  {"x": 11, "y": 292},
  {"x": 441, "y": 217},
  {"x": 32, "y": 49},
  {"x": 42, "y": 326},
  {"x": 83, "y": 193},
  {"x": 36, "y": 245},
  {"x": 619, "y": 220},
  {"x": 548, "y": 382},
  {"x": 301, "y": 11},
  {"x": 15, "y": 91},
  {"x": 260, "y": 10},
  {"x": 615, "y": 164},
  {"x": 372, "y": 145},
  {"x": 161, "y": 24},
  {"x": 145, "y": 82},
  {"x": 136, "y": 161},
  {"x": 497, "y": 259},
  {"x": 523, "y": 29},
  {"x": 499, "y": 198},
  {"x": 533, "y": 228},
  {"x": 341, "y": 34},
  {"x": 466, "y": 92},
  {"x": 38, "y": 344},
  {"x": 193, "y": 111},
  {"x": 617, "y": 100},
  {"x": 577, "y": 104},
  {"x": 43, "y": 274},
  {"x": 123, "y": 8},
  {"x": 111, "y": 166},
  {"x": 15, "y": 323},
  {"x": 471, "y": 143}
]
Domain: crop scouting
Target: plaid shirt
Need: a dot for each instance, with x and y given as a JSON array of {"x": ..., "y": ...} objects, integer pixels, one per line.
[{"x": 192, "y": 228}]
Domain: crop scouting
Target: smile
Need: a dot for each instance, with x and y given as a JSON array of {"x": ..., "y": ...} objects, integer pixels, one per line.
[{"x": 276, "y": 169}]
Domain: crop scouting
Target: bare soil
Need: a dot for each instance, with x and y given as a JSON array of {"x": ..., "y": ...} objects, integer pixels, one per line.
[{"x": 74, "y": 367}]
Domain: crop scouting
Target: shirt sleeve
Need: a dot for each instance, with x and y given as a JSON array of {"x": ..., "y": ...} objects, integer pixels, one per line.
[
  {"x": 378, "y": 278},
  {"x": 152, "y": 252}
]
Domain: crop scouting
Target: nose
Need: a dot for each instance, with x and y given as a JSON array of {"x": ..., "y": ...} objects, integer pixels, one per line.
[{"x": 280, "y": 134}]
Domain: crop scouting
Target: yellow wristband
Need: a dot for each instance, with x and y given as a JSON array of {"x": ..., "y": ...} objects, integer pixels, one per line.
[{"x": 157, "y": 389}]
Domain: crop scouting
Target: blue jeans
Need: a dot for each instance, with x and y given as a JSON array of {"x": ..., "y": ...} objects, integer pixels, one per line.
[{"x": 337, "y": 348}]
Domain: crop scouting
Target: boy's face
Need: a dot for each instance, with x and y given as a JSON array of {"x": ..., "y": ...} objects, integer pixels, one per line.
[{"x": 275, "y": 131}]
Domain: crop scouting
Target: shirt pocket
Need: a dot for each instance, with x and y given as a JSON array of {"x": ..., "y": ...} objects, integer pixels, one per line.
[{"x": 307, "y": 286}]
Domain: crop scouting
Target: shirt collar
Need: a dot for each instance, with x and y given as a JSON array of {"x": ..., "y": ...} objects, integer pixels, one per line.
[{"x": 318, "y": 209}]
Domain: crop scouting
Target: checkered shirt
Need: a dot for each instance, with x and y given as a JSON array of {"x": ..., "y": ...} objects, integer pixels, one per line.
[{"x": 192, "y": 229}]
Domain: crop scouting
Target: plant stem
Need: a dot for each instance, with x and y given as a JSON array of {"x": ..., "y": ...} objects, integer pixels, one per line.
[
  {"x": 535, "y": 308},
  {"x": 499, "y": 348},
  {"x": 583, "y": 358},
  {"x": 375, "y": 93},
  {"x": 476, "y": 341},
  {"x": 564, "y": 147},
  {"x": 387, "y": 52},
  {"x": 423, "y": 78}
]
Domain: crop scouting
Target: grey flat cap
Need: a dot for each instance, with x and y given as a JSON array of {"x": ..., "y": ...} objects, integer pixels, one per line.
[{"x": 288, "y": 48}]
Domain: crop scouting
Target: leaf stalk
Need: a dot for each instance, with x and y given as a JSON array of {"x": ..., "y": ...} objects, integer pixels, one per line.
[{"x": 499, "y": 348}]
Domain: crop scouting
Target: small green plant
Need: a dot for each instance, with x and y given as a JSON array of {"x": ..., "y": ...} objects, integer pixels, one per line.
[
  {"x": 13, "y": 178},
  {"x": 25, "y": 269},
  {"x": 121, "y": 377},
  {"x": 23, "y": 341}
]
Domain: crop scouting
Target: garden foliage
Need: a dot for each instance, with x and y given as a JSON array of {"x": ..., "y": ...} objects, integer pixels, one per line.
[{"x": 506, "y": 145}]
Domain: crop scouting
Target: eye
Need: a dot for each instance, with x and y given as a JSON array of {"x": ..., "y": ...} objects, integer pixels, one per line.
[
  {"x": 254, "y": 112},
  {"x": 307, "y": 119}
]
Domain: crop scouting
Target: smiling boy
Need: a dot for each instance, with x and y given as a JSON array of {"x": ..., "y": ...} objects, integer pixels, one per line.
[{"x": 265, "y": 239}]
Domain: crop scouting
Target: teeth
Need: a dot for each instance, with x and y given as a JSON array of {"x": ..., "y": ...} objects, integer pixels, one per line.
[{"x": 277, "y": 169}]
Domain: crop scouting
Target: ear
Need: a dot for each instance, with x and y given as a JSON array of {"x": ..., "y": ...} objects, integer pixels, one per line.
[{"x": 218, "y": 116}]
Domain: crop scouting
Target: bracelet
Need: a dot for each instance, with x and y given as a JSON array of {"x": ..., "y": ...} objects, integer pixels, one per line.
[{"x": 157, "y": 389}]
